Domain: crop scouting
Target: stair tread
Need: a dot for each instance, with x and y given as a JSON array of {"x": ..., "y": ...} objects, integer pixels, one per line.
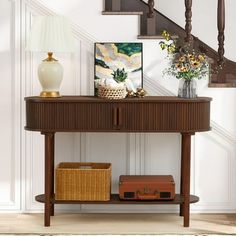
[
  {"x": 157, "y": 36},
  {"x": 222, "y": 85},
  {"x": 122, "y": 13}
]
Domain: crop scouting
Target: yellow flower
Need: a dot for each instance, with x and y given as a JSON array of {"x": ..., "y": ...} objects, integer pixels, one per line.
[
  {"x": 178, "y": 66},
  {"x": 166, "y": 35},
  {"x": 182, "y": 59},
  {"x": 171, "y": 48},
  {"x": 195, "y": 64},
  {"x": 162, "y": 45},
  {"x": 191, "y": 57},
  {"x": 183, "y": 69},
  {"x": 201, "y": 57}
]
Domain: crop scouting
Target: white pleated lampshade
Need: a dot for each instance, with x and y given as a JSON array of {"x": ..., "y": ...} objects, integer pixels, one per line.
[{"x": 51, "y": 34}]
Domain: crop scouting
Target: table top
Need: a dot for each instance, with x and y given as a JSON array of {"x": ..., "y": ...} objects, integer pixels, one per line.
[{"x": 97, "y": 99}]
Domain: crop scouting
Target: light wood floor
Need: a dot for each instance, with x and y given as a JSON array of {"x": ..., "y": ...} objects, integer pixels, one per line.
[{"x": 118, "y": 224}]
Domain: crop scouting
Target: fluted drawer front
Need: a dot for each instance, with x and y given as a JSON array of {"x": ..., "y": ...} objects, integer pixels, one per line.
[
  {"x": 165, "y": 117},
  {"x": 69, "y": 116},
  {"x": 154, "y": 114},
  {"x": 177, "y": 117}
]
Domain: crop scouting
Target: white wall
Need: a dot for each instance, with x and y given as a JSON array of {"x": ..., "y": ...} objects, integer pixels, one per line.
[{"x": 21, "y": 176}]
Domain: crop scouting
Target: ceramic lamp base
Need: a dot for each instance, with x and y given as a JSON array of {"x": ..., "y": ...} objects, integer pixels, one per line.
[
  {"x": 47, "y": 94},
  {"x": 50, "y": 73}
]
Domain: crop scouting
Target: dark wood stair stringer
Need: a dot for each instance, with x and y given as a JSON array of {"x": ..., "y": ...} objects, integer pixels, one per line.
[{"x": 225, "y": 78}]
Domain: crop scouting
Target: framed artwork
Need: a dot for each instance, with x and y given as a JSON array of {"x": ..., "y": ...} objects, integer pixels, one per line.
[{"x": 119, "y": 63}]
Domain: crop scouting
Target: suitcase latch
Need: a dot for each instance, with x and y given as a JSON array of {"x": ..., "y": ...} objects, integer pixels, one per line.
[{"x": 146, "y": 190}]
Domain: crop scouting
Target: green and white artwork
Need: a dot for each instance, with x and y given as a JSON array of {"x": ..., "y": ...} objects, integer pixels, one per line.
[{"x": 118, "y": 63}]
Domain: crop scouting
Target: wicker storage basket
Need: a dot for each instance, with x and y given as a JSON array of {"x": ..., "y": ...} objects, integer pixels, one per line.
[
  {"x": 111, "y": 93},
  {"x": 83, "y": 181}
]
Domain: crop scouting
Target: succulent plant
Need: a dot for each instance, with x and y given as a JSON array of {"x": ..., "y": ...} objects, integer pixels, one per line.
[{"x": 119, "y": 75}]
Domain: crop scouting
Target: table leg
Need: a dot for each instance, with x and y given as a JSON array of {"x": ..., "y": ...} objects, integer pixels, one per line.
[
  {"x": 181, "y": 178},
  {"x": 49, "y": 177},
  {"x": 52, "y": 174},
  {"x": 185, "y": 176}
]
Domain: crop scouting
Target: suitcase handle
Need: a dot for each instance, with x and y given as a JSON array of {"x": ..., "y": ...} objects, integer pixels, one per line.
[{"x": 147, "y": 196}]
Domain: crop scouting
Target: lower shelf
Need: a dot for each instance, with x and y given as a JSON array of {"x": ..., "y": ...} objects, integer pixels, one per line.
[{"x": 116, "y": 200}]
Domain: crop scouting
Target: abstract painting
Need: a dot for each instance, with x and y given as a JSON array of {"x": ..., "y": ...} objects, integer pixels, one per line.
[{"x": 119, "y": 63}]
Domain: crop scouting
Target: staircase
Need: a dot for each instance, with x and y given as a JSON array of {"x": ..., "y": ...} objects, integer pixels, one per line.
[{"x": 152, "y": 23}]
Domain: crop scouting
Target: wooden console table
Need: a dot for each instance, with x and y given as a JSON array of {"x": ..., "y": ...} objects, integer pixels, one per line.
[{"x": 91, "y": 114}]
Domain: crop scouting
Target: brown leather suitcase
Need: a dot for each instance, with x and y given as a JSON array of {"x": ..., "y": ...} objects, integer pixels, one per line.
[{"x": 146, "y": 187}]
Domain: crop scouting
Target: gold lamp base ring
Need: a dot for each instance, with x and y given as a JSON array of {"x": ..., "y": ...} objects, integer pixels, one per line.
[{"x": 50, "y": 94}]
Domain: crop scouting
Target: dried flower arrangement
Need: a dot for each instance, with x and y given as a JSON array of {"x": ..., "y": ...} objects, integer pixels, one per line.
[{"x": 186, "y": 63}]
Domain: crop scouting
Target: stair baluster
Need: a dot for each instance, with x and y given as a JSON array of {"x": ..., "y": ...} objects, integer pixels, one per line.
[
  {"x": 221, "y": 28},
  {"x": 151, "y": 19},
  {"x": 116, "y": 5},
  {"x": 151, "y": 4},
  {"x": 188, "y": 19}
]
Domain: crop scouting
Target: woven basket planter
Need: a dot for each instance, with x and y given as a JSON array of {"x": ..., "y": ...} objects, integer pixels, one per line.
[
  {"x": 111, "y": 93},
  {"x": 83, "y": 181}
]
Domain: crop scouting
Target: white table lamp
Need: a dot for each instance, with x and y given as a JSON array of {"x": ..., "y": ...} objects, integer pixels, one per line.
[{"x": 50, "y": 34}]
